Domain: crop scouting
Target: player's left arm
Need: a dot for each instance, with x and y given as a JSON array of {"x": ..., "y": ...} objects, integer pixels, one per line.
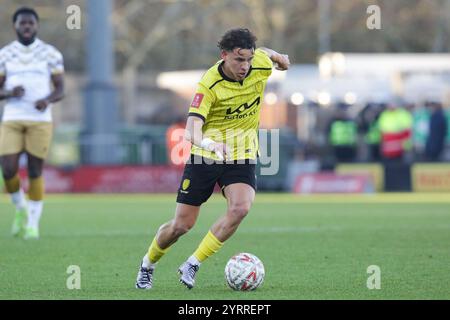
[
  {"x": 56, "y": 95},
  {"x": 281, "y": 60},
  {"x": 55, "y": 61}
]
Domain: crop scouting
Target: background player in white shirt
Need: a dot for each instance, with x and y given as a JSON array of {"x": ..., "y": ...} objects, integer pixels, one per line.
[{"x": 28, "y": 68}]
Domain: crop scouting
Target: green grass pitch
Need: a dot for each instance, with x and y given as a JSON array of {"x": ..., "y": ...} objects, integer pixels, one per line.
[{"x": 313, "y": 247}]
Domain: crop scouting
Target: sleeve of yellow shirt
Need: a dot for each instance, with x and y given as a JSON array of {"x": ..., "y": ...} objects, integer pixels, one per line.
[
  {"x": 202, "y": 102},
  {"x": 262, "y": 61}
]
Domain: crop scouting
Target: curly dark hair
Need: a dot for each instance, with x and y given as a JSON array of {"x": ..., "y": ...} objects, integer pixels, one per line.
[
  {"x": 237, "y": 38},
  {"x": 24, "y": 10}
]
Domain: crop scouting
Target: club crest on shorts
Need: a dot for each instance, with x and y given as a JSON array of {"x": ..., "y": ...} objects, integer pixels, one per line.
[{"x": 186, "y": 184}]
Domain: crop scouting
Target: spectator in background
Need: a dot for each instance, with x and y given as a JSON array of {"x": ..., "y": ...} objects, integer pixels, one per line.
[
  {"x": 395, "y": 125},
  {"x": 369, "y": 127},
  {"x": 421, "y": 116},
  {"x": 437, "y": 132},
  {"x": 342, "y": 135}
]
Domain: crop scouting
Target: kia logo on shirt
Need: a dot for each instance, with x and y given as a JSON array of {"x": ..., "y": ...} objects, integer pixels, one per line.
[{"x": 244, "y": 107}]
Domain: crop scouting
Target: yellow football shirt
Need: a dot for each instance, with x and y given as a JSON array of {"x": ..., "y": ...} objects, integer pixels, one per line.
[{"x": 230, "y": 108}]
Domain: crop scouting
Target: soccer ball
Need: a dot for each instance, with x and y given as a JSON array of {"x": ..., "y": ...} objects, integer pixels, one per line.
[{"x": 244, "y": 272}]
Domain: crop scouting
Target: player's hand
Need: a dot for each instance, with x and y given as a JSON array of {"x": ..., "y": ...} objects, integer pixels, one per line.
[
  {"x": 221, "y": 150},
  {"x": 282, "y": 62},
  {"x": 17, "y": 92},
  {"x": 42, "y": 105}
]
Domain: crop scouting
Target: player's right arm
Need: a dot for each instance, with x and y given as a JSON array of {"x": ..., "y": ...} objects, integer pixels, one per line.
[
  {"x": 194, "y": 134},
  {"x": 17, "y": 92},
  {"x": 203, "y": 100}
]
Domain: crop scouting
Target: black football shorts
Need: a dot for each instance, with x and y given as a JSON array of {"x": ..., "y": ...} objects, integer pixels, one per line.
[{"x": 201, "y": 175}]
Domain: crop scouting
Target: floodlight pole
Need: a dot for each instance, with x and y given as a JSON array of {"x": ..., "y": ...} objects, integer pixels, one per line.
[
  {"x": 101, "y": 120},
  {"x": 324, "y": 26}
]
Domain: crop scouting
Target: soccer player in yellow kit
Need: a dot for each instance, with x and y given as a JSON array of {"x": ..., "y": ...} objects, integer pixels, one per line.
[{"x": 223, "y": 128}]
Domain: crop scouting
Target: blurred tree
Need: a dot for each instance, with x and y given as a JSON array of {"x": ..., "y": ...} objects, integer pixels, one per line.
[{"x": 171, "y": 35}]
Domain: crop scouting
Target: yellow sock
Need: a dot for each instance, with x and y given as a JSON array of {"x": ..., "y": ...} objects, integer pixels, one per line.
[
  {"x": 36, "y": 192},
  {"x": 209, "y": 245},
  {"x": 155, "y": 252},
  {"x": 13, "y": 185}
]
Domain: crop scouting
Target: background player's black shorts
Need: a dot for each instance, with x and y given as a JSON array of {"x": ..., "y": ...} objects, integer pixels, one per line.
[{"x": 200, "y": 178}]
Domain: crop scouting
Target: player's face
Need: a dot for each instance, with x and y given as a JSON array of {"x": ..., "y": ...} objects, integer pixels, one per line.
[
  {"x": 26, "y": 28},
  {"x": 238, "y": 62}
]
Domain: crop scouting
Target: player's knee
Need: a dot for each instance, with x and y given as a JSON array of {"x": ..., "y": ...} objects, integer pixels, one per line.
[
  {"x": 9, "y": 174},
  {"x": 35, "y": 167},
  {"x": 9, "y": 171},
  {"x": 34, "y": 172},
  {"x": 239, "y": 210}
]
